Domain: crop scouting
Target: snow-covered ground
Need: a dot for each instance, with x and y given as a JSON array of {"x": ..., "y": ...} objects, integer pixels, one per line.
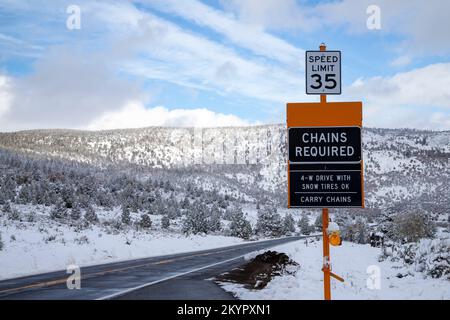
[
  {"x": 38, "y": 248},
  {"x": 357, "y": 264},
  {"x": 44, "y": 245}
]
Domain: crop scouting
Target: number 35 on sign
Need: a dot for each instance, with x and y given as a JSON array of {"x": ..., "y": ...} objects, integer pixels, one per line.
[{"x": 323, "y": 72}]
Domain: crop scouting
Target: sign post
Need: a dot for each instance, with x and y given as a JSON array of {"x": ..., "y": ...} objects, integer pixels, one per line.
[
  {"x": 326, "y": 267},
  {"x": 325, "y": 167}
]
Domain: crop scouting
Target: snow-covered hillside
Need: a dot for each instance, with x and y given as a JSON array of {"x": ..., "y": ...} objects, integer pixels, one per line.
[{"x": 400, "y": 165}]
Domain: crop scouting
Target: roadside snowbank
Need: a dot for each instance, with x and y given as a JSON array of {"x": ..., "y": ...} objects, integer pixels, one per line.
[
  {"x": 350, "y": 261},
  {"x": 42, "y": 248}
]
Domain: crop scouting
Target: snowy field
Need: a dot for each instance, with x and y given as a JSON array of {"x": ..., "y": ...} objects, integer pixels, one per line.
[
  {"x": 45, "y": 245},
  {"x": 350, "y": 261},
  {"x": 41, "y": 248}
]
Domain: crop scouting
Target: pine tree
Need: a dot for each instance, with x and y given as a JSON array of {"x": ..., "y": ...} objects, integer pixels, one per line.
[
  {"x": 196, "y": 220},
  {"x": 185, "y": 204},
  {"x": 171, "y": 211},
  {"x": 145, "y": 223},
  {"x": 360, "y": 231},
  {"x": 229, "y": 212},
  {"x": 90, "y": 215},
  {"x": 303, "y": 224},
  {"x": 318, "y": 223},
  {"x": 59, "y": 211},
  {"x": 7, "y": 207},
  {"x": 412, "y": 226},
  {"x": 165, "y": 222},
  {"x": 3, "y": 198},
  {"x": 14, "y": 214},
  {"x": 126, "y": 216},
  {"x": 1, "y": 243},
  {"x": 214, "y": 221},
  {"x": 269, "y": 222},
  {"x": 75, "y": 214},
  {"x": 24, "y": 196},
  {"x": 239, "y": 226},
  {"x": 288, "y": 224}
]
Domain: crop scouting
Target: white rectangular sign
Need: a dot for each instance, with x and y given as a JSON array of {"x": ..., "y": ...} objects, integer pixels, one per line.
[{"x": 323, "y": 72}]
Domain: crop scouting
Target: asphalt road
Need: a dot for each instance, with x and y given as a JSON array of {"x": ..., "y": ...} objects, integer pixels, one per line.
[{"x": 185, "y": 276}]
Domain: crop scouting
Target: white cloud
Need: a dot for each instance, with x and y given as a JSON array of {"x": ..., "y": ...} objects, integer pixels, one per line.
[
  {"x": 244, "y": 34},
  {"x": 274, "y": 14},
  {"x": 401, "y": 61},
  {"x": 67, "y": 90},
  {"x": 21, "y": 112},
  {"x": 5, "y": 94},
  {"x": 135, "y": 115},
  {"x": 408, "y": 99},
  {"x": 427, "y": 86},
  {"x": 170, "y": 53},
  {"x": 423, "y": 24}
]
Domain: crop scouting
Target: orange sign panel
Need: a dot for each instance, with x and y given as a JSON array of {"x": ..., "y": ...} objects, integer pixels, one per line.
[
  {"x": 325, "y": 168},
  {"x": 330, "y": 114}
]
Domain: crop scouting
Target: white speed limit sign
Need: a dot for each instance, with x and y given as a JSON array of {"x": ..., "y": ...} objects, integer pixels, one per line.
[{"x": 323, "y": 72}]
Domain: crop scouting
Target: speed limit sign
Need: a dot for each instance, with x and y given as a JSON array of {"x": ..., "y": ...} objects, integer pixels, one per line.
[{"x": 323, "y": 72}]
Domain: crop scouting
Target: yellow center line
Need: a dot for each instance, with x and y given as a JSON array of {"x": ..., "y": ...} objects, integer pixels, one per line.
[
  {"x": 92, "y": 275},
  {"x": 164, "y": 261}
]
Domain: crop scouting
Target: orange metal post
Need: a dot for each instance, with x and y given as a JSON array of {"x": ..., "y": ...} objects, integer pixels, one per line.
[
  {"x": 326, "y": 256},
  {"x": 326, "y": 241}
]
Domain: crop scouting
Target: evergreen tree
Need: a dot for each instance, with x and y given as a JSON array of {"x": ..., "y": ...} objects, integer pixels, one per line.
[
  {"x": 214, "y": 221},
  {"x": 185, "y": 204},
  {"x": 318, "y": 223},
  {"x": 126, "y": 216},
  {"x": 196, "y": 220},
  {"x": 269, "y": 222},
  {"x": 229, "y": 212},
  {"x": 165, "y": 222},
  {"x": 75, "y": 214},
  {"x": 171, "y": 211},
  {"x": 7, "y": 207},
  {"x": 288, "y": 224},
  {"x": 24, "y": 195},
  {"x": 413, "y": 226},
  {"x": 90, "y": 215},
  {"x": 3, "y": 198},
  {"x": 239, "y": 226},
  {"x": 145, "y": 223},
  {"x": 303, "y": 224},
  {"x": 14, "y": 214},
  {"x": 59, "y": 211}
]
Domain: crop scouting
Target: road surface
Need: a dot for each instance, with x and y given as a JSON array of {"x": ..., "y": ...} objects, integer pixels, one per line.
[{"x": 184, "y": 276}]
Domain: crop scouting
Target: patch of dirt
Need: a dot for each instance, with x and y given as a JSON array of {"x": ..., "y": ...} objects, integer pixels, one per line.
[{"x": 258, "y": 272}]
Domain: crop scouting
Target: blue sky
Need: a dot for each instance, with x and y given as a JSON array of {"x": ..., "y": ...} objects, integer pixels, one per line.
[{"x": 216, "y": 63}]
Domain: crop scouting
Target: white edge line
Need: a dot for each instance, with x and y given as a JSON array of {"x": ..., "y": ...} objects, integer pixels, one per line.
[{"x": 121, "y": 293}]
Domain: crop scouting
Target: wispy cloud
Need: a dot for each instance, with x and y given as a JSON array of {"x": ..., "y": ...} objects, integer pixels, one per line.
[
  {"x": 167, "y": 52},
  {"x": 242, "y": 34}
]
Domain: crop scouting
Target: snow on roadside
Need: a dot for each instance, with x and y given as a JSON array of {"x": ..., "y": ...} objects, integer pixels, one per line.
[
  {"x": 43, "y": 248},
  {"x": 350, "y": 261}
]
